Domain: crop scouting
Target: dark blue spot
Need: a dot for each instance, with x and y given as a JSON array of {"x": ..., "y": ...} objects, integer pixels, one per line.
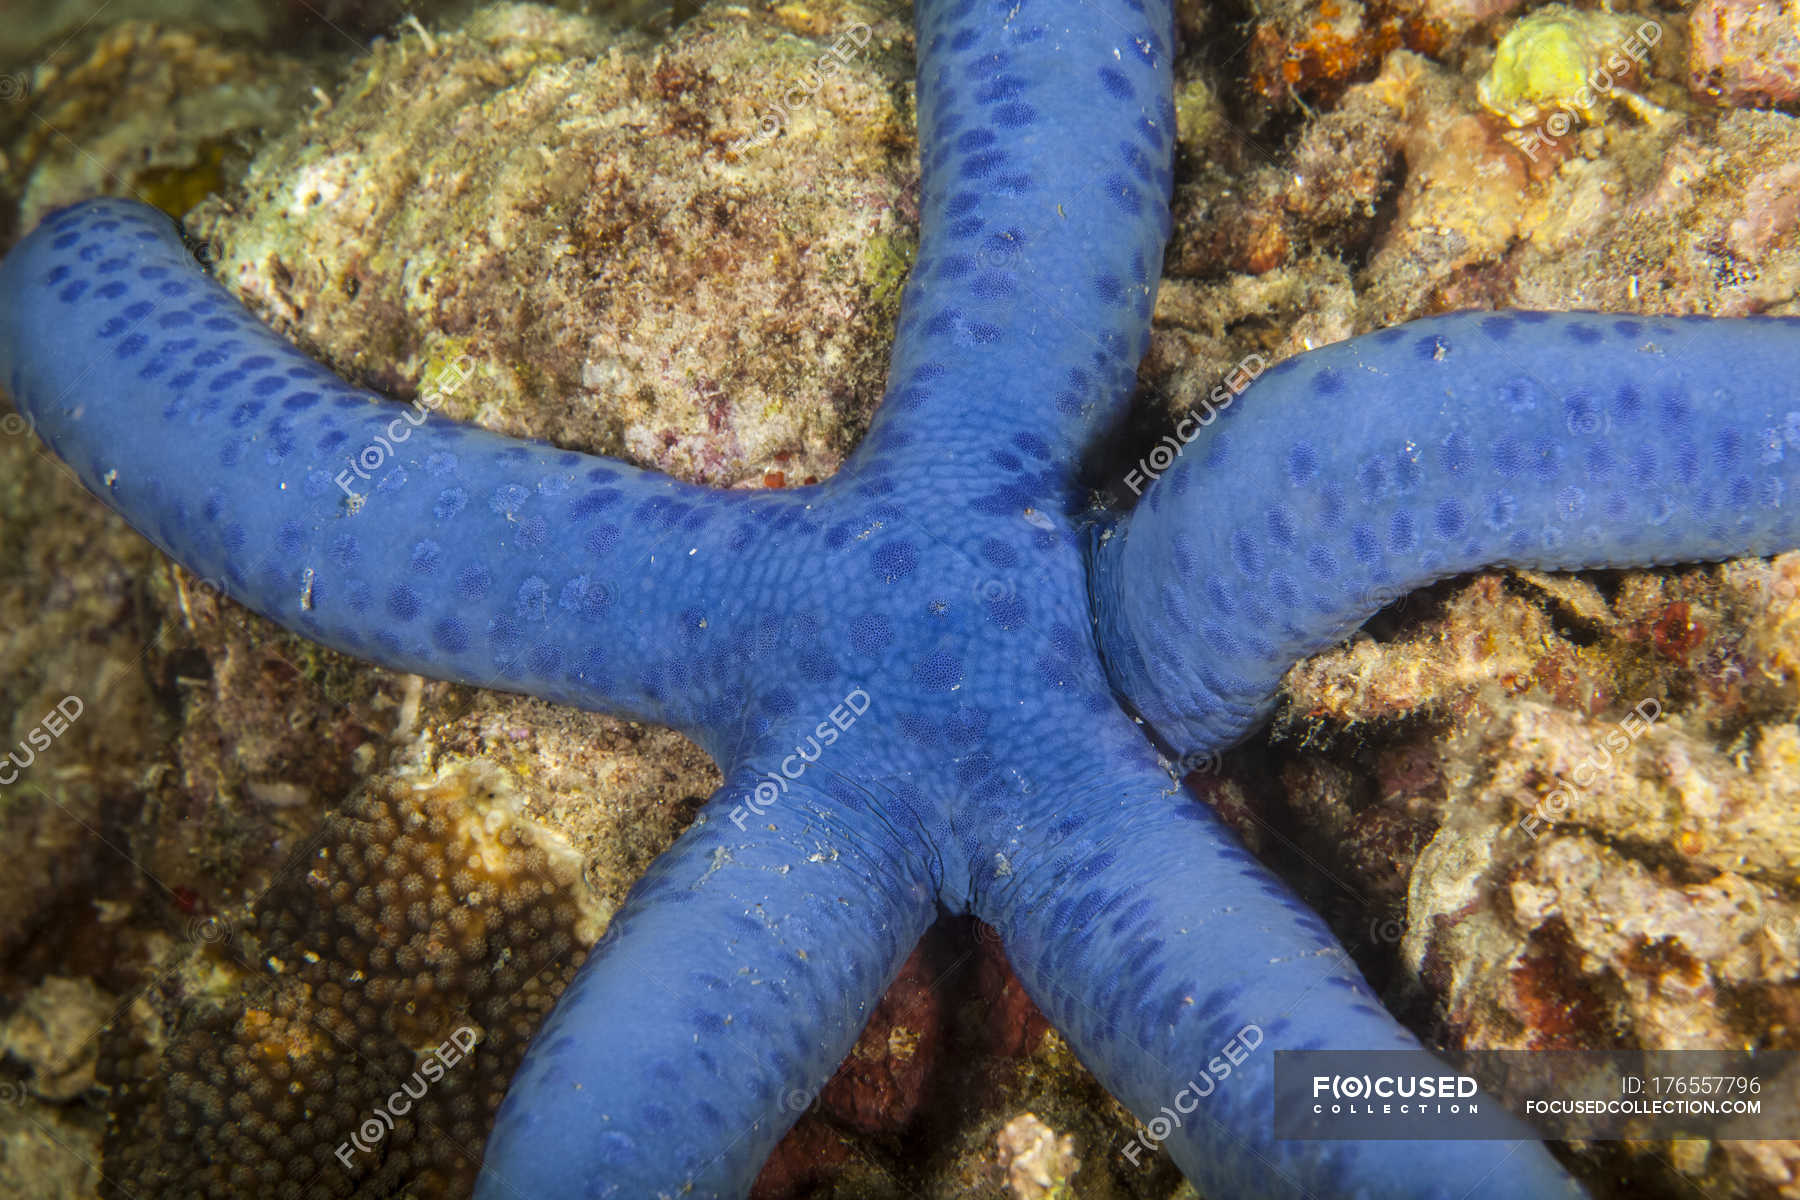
[
  {"x": 870, "y": 634},
  {"x": 1402, "y": 538},
  {"x": 1302, "y": 464},
  {"x": 1451, "y": 519},
  {"x": 601, "y": 539},
  {"x": 939, "y": 671},
  {"x": 403, "y": 603},
  {"x": 1006, "y": 610},
  {"x": 1628, "y": 404},
  {"x": 450, "y": 501},
  {"x": 472, "y": 583},
  {"x": 1116, "y": 84},
  {"x": 894, "y": 561}
]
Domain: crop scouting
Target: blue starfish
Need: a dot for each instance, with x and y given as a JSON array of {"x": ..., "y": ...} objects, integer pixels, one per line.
[{"x": 929, "y": 681}]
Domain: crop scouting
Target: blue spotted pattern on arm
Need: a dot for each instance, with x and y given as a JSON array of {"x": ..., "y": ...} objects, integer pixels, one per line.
[
  {"x": 1044, "y": 213},
  {"x": 462, "y": 554},
  {"x": 704, "y": 1027},
  {"x": 1360, "y": 471}
]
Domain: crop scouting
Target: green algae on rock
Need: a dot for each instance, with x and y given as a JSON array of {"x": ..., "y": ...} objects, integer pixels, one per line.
[{"x": 1567, "y": 60}]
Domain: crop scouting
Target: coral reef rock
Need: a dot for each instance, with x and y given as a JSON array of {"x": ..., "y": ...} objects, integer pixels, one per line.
[
  {"x": 1037, "y": 1163},
  {"x": 51, "y": 1033},
  {"x": 1745, "y": 53},
  {"x": 358, "y": 1034},
  {"x": 607, "y": 238},
  {"x": 1575, "y": 796},
  {"x": 165, "y": 114}
]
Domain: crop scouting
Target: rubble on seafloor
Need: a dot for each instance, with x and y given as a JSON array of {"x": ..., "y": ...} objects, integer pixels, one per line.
[
  {"x": 585, "y": 220},
  {"x": 567, "y": 212},
  {"x": 1558, "y": 813}
]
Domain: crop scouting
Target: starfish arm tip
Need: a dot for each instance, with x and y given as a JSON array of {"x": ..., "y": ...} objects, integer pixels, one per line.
[
  {"x": 383, "y": 531},
  {"x": 1353, "y": 474}
]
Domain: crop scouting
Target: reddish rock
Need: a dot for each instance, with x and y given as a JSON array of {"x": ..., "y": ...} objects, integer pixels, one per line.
[
  {"x": 811, "y": 1154},
  {"x": 956, "y": 987},
  {"x": 1014, "y": 1024},
  {"x": 1676, "y": 633},
  {"x": 880, "y": 1086},
  {"x": 1318, "y": 50},
  {"x": 1745, "y": 53},
  {"x": 1561, "y": 1008}
]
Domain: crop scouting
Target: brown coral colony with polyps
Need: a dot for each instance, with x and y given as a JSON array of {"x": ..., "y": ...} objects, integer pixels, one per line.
[{"x": 359, "y": 1039}]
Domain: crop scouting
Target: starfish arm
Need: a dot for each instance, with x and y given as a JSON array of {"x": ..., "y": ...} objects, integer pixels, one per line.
[
  {"x": 1355, "y": 473},
  {"x": 1161, "y": 948},
  {"x": 385, "y": 532},
  {"x": 1045, "y": 134},
  {"x": 736, "y": 977}
]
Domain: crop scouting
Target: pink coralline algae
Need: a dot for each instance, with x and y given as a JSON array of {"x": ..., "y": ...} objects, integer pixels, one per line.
[{"x": 1745, "y": 53}]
